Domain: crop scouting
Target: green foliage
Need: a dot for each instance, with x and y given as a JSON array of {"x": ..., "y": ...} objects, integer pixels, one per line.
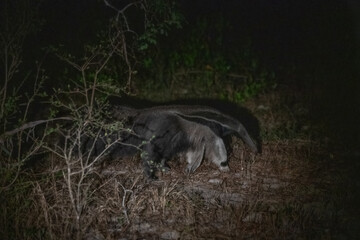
[
  {"x": 200, "y": 62},
  {"x": 249, "y": 90},
  {"x": 161, "y": 18},
  {"x": 11, "y": 105},
  {"x": 184, "y": 53},
  {"x": 199, "y": 49}
]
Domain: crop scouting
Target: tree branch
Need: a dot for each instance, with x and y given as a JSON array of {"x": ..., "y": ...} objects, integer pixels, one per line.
[{"x": 30, "y": 125}]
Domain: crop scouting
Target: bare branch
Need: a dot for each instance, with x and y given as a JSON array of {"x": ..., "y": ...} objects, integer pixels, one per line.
[{"x": 30, "y": 125}]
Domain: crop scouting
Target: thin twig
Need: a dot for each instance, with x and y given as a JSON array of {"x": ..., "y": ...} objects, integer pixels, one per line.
[
  {"x": 124, "y": 202},
  {"x": 30, "y": 125}
]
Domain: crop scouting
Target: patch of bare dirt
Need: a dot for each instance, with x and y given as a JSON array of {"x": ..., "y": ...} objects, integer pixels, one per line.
[{"x": 274, "y": 195}]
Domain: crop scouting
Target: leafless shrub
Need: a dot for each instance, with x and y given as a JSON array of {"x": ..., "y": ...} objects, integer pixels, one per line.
[
  {"x": 69, "y": 198},
  {"x": 64, "y": 194}
]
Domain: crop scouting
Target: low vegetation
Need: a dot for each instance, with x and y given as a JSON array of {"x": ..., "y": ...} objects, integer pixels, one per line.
[
  {"x": 302, "y": 186},
  {"x": 294, "y": 189}
]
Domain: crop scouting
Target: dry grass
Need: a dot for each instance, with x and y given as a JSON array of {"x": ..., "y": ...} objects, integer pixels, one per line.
[{"x": 293, "y": 190}]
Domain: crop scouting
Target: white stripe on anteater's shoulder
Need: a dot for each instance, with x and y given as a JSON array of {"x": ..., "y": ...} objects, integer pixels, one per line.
[{"x": 220, "y": 123}]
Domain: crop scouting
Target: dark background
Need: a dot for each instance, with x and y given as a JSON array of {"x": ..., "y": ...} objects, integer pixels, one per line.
[{"x": 311, "y": 45}]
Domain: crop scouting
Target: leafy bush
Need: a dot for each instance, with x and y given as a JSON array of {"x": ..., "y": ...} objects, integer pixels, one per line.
[{"x": 199, "y": 61}]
